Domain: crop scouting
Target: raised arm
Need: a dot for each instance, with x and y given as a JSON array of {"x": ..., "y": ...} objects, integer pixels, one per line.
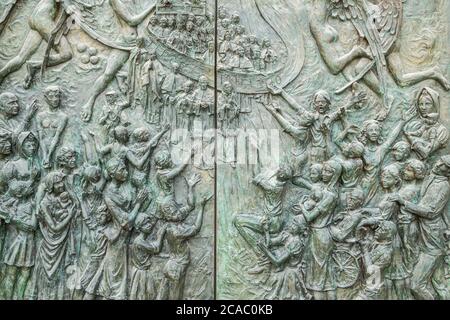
[
  {"x": 56, "y": 139},
  {"x": 26, "y": 123},
  {"x": 153, "y": 246},
  {"x": 276, "y": 260},
  {"x": 275, "y": 90},
  {"x": 392, "y": 137},
  {"x": 294, "y": 131},
  {"x": 122, "y": 12}
]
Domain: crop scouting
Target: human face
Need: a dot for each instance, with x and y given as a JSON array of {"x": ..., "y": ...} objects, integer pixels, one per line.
[
  {"x": 321, "y": 104},
  {"x": 29, "y": 146},
  {"x": 121, "y": 173},
  {"x": 400, "y": 153},
  {"x": 387, "y": 180},
  {"x": 315, "y": 174},
  {"x": 373, "y": 132},
  {"x": 71, "y": 160},
  {"x": 11, "y": 106},
  {"x": 58, "y": 186},
  {"x": 426, "y": 105},
  {"x": 441, "y": 168},
  {"x": 327, "y": 173},
  {"x": 5, "y": 147},
  {"x": 53, "y": 97},
  {"x": 353, "y": 201},
  {"x": 203, "y": 84},
  {"x": 408, "y": 173}
]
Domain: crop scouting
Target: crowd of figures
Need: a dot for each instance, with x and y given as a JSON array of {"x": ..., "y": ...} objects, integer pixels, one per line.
[
  {"x": 240, "y": 51},
  {"x": 73, "y": 228},
  {"x": 373, "y": 222},
  {"x": 190, "y": 34}
]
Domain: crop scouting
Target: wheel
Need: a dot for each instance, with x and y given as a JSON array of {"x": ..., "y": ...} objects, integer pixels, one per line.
[{"x": 346, "y": 268}]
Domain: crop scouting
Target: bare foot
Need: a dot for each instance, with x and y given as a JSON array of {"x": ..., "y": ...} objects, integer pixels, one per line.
[{"x": 31, "y": 72}]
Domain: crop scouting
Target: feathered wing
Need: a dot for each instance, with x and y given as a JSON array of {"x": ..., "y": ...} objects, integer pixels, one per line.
[
  {"x": 388, "y": 22},
  {"x": 358, "y": 12}
]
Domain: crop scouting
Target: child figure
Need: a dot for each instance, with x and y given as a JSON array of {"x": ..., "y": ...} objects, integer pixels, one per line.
[
  {"x": 142, "y": 249},
  {"x": 308, "y": 203},
  {"x": 377, "y": 256}
]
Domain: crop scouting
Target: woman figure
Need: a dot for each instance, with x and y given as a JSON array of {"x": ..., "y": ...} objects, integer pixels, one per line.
[
  {"x": 374, "y": 153},
  {"x": 319, "y": 273},
  {"x": 426, "y": 134},
  {"x": 56, "y": 211},
  {"x": 20, "y": 177},
  {"x": 396, "y": 273},
  {"x": 413, "y": 175},
  {"x": 112, "y": 275}
]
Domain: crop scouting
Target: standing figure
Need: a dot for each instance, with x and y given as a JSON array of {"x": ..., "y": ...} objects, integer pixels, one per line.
[
  {"x": 267, "y": 55},
  {"x": 112, "y": 276},
  {"x": 209, "y": 57},
  {"x": 178, "y": 232},
  {"x": 42, "y": 23},
  {"x": 21, "y": 177},
  {"x": 51, "y": 125},
  {"x": 142, "y": 250},
  {"x": 171, "y": 86},
  {"x": 203, "y": 99},
  {"x": 153, "y": 75},
  {"x": 430, "y": 212},
  {"x": 320, "y": 121},
  {"x": 375, "y": 151},
  {"x": 184, "y": 107},
  {"x": 426, "y": 134},
  {"x": 319, "y": 274},
  {"x": 57, "y": 248},
  {"x": 397, "y": 273},
  {"x": 414, "y": 173}
]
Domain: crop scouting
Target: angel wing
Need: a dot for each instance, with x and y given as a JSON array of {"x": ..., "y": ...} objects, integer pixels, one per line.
[
  {"x": 388, "y": 21},
  {"x": 359, "y": 13}
]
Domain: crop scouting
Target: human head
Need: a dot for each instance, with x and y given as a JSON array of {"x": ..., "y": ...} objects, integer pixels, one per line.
[
  {"x": 52, "y": 95},
  {"x": 203, "y": 82},
  {"x": 67, "y": 158},
  {"x": 145, "y": 223},
  {"x": 9, "y": 104},
  {"x": 355, "y": 199},
  {"x": 331, "y": 171},
  {"x": 140, "y": 135},
  {"x": 188, "y": 86},
  {"x": 54, "y": 182},
  {"x": 284, "y": 173},
  {"x": 92, "y": 174},
  {"x": 442, "y": 166},
  {"x": 163, "y": 160},
  {"x": 175, "y": 67},
  {"x": 111, "y": 97},
  {"x": 353, "y": 150},
  {"x": 27, "y": 144},
  {"x": 371, "y": 131},
  {"x": 227, "y": 88},
  {"x": 414, "y": 169},
  {"x": 117, "y": 169},
  {"x": 121, "y": 134},
  {"x": 20, "y": 189},
  {"x": 5, "y": 143},
  {"x": 321, "y": 101},
  {"x": 401, "y": 151},
  {"x": 315, "y": 172},
  {"x": 428, "y": 105},
  {"x": 390, "y": 177}
]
